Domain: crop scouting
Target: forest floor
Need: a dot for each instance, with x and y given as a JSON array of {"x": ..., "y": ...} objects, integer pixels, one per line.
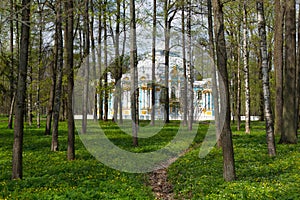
[{"x": 48, "y": 175}]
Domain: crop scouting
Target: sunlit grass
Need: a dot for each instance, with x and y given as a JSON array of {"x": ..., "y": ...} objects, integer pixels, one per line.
[{"x": 48, "y": 175}]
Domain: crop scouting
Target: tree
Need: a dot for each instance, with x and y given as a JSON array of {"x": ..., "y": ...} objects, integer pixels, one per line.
[
  {"x": 11, "y": 75},
  {"x": 289, "y": 135},
  {"x": 133, "y": 73},
  {"x": 17, "y": 170},
  {"x": 185, "y": 101},
  {"x": 118, "y": 70},
  {"x": 153, "y": 63},
  {"x": 167, "y": 33},
  {"x": 100, "y": 91},
  {"x": 69, "y": 27},
  {"x": 246, "y": 69},
  {"x": 59, "y": 66},
  {"x": 215, "y": 90},
  {"x": 191, "y": 65},
  {"x": 86, "y": 67},
  {"x": 278, "y": 64},
  {"x": 105, "y": 14},
  {"x": 265, "y": 73},
  {"x": 226, "y": 135}
]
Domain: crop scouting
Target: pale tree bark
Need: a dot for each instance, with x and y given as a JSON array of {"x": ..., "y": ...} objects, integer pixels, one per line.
[
  {"x": 238, "y": 95},
  {"x": 265, "y": 73},
  {"x": 278, "y": 64},
  {"x": 246, "y": 68},
  {"x": 86, "y": 68},
  {"x": 17, "y": 169},
  {"x": 59, "y": 62},
  {"x": 153, "y": 63},
  {"x": 69, "y": 9},
  {"x": 289, "y": 103},
  {"x": 133, "y": 73},
  {"x": 185, "y": 101},
  {"x": 226, "y": 135},
  {"x": 191, "y": 64}
]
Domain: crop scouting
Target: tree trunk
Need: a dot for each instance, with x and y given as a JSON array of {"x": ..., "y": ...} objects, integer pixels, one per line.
[
  {"x": 118, "y": 71},
  {"x": 246, "y": 69},
  {"x": 215, "y": 90},
  {"x": 38, "y": 106},
  {"x": 191, "y": 64},
  {"x": 265, "y": 73},
  {"x": 226, "y": 135},
  {"x": 17, "y": 170},
  {"x": 51, "y": 98},
  {"x": 167, "y": 52},
  {"x": 238, "y": 95},
  {"x": 289, "y": 103},
  {"x": 11, "y": 75},
  {"x": 133, "y": 71},
  {"x": 86, "y": 68},
  {"x": 11, "y": 113},
  {"x": 105, "y": 63},
  {"x": 153, "y": 64},
  {"x": 185, "y": 101},
  {"x": 58, "y": 88},
  {"x": 95, "y": 114},
  {"x": 100, "y": 92},
  {"x": 29, "y": 95},
  {"x": 70, "y": 76}
]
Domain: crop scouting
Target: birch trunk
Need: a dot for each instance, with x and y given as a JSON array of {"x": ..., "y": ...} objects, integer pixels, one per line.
[
  {"x": 246, "y": 69},
  {"x": 265, "y": 73}
]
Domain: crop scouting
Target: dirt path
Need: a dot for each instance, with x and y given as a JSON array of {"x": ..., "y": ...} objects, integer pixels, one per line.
[{"x": 160, "y": 185}]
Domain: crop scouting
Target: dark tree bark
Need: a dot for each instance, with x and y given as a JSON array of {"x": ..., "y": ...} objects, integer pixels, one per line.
[
  {"x": 118, "y": 68},
  {"x": 51, "y": 98},
  {"x": 289, "y": 103},
  {"x": 153, "y": 63},
  {"x": 17, "y": 170},
  {"x": 59, "y": 66},
  {"x": 100, "y": 64},
  {"x": 86, "y": 67},
  {"x": 105, "y": 62},
  {"x": 11, "y": 75},
  {"x": 93, "y": 46},
  {"x": 133, "y": 72},
  {"x": 69, "y": 9},
  {"x": 167, "y": 33},
  {"x": 265, "y": 73},
  {"x": 226, "y": 135}
]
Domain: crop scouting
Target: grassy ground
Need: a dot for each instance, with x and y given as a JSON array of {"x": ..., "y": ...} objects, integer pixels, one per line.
[{"x": 47, "y": 175}]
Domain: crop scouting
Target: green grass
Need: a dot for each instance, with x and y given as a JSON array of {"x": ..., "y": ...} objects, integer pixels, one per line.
[
  {"x": 48, "y": 175},
  {"x": 258, "y": 175}
]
